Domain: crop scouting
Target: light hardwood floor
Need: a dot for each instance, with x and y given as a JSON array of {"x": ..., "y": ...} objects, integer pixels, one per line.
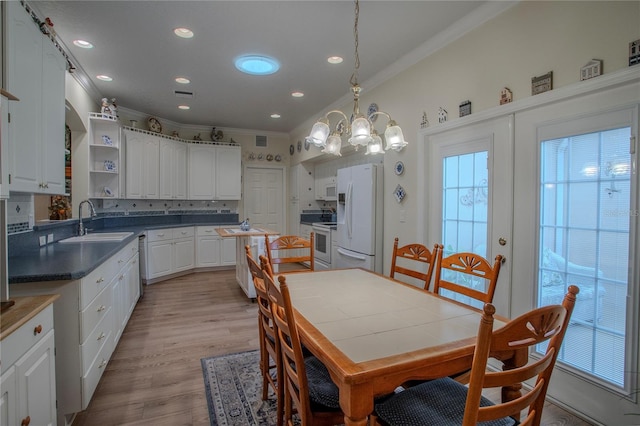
[{"x": 155, "y": 376}]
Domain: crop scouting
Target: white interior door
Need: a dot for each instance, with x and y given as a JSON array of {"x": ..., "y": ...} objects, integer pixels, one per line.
[
  {"x": 264, "y": 197},
  {"x": 468, "y": 203}
]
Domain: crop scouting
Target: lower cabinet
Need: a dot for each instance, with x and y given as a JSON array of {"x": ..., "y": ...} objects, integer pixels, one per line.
[
  {"x": 89, "y": 315},
  {"x": 212, "y": 250},
  {"x": 169, "y": 251},
  {"x": 28, "y": 383}
]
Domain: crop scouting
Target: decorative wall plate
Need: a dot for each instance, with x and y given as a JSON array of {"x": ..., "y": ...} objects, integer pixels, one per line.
[
  {"x": 292, "y": 149},
  {"x": 399, "y": 168},
  {"x": 109, "y": 166},
  {"x": 299, "y": 146},
  {"x": 306, "y": 144},
  {"x": 399, "y": 193},
  {"x": 278, "y": 157},
  {"x": 108, "y": 192},
  {"x": 154, "y": 125},
  {"x": 372, "y": 108},
  {"x": 269, "y": 157},
  {"x": 107, "y": 140}
]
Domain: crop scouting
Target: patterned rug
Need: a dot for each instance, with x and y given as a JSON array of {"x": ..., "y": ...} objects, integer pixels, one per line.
[{"x": 233, "y": 386}]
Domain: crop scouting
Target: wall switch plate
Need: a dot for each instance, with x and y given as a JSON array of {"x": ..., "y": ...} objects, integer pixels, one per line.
[
  {"x": 403, "y": 216},
  {"x": 43, "y": 240},
  {"x": 49, "y": 238}
]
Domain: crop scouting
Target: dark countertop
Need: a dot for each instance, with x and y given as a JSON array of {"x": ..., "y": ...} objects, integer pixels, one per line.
[{"x": 71, "y": 261}]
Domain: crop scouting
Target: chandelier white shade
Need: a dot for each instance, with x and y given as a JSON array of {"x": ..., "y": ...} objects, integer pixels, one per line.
[{"x": 359, "y": 130}]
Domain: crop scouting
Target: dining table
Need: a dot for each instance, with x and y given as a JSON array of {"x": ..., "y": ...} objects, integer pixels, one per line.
[{"x": 374, "y": 333}]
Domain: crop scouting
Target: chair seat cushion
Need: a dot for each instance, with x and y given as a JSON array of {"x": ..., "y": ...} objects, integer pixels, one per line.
[
  {"x": 323, "y": 393},
  {"x": 434, "y": 403}
]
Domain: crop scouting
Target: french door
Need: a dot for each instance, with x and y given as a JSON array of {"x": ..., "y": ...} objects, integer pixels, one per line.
[
  {"x": 469, "y": 199},
  {"x": 576, "y": 212}
]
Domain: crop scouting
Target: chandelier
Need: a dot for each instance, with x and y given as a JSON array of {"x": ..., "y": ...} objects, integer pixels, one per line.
[{"x": 359, "y": 129}]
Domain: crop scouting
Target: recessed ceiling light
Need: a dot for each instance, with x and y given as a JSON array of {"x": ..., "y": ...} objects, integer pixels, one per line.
[
  {"x": 334, "y": 59},
  {"x": 82, "y": 43},
  {"x": 183, "y": 32},
  {"x": 184, "y": 107},
  {"x": 297, "y": 94},
  {"x": 257, "y": 65},
  {"x": 104, "y": 77},
  {"x": 275, "y": 115},
  {"x": 182, "y": 80}
]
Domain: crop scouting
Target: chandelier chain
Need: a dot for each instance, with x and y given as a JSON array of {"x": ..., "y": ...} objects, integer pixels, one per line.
[{"x": 354, "y": 76}]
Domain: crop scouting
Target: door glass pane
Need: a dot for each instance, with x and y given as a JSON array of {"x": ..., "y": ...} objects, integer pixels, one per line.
[
  {"x": 584, "y": 240},
  {"x": 465, "y": 210}
]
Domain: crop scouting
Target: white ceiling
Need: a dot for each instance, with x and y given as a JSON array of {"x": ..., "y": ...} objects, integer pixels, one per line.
[{"x": 135, "y": 44}]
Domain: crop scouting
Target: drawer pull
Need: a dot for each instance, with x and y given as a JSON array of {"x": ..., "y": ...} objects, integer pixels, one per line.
[
  {"x": 102, "y": 364},
  {"x": 99, "y": 280},
  {"x": 101, "y": 308},
  {"x": 101, "y": 336},
  {"x": 161, "y": 235},
  {"x": 25, "y": 421},
  {"x": 208, "y": 230},
  {"x": 37, "y": 329},
  {"x": 120, "y": 261},
  {"x": 184, "y": 232}
]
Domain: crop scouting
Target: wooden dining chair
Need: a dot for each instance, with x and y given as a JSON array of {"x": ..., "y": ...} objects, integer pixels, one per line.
[
  {"x": 308, "y": 388},
  {"x": 413, "y": 253},
  {"x": 447, "y": 402},
  {"x": 468, "y": 274},
  {"x": 270, "y": 358},
  {"x": 285, "y": 244}
]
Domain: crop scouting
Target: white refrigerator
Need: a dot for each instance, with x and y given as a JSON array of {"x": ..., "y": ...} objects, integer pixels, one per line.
[{"x": 360, "y": 207}]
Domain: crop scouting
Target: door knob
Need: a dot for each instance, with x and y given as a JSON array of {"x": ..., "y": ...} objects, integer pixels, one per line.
[{"x": 502, "y": 241}]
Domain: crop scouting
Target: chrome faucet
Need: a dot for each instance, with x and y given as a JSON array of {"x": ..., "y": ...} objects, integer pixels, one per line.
[{"x": 81, "y": 228}]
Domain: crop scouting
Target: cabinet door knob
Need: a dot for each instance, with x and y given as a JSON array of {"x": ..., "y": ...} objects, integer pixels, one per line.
[
  {"x": 101, "y": 308},
  {"x": 99, "y": 280},
  {"x": 25, "y": 421},
  {"x": 101, "y": 336},
  {"x": 37, "y": 329}
]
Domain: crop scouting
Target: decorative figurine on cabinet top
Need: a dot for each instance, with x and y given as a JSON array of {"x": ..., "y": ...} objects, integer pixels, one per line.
[
  {"x": 505, "y": 96},
  {"x": 109, "y": 108},
  {"x": 216, "y": 135},
  {"x": 424, "y": 123},
  {"x": 442, "y": 115},
  {"x": 465, "y": 108},
  {"x": 591, "y": 69},
  {"x": 634, "y": 52},
  {"x": 542, "y": 83}
]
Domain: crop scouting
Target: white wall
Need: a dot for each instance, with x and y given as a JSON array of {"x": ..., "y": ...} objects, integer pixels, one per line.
[{"x": 527, "y": 40}]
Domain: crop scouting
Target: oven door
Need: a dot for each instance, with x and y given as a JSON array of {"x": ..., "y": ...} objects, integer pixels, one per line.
[{"x": 322, "y": 249}]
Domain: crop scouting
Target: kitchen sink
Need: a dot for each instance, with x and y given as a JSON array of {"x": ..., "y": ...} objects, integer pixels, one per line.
[{"x": 106, "y": 237}]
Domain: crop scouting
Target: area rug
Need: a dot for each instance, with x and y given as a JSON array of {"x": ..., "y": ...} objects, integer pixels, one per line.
[{"x": 233, "y": 386}]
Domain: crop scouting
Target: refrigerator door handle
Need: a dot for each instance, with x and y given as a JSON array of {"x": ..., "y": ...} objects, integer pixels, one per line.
[
  {"x": 351, "y": 255},
  {"x": 349, "y": 209}
]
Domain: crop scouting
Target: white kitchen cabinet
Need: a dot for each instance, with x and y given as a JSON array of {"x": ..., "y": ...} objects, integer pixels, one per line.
[
  {"x": 212, "y": 250},
  {"x": 301, "y": 192},
  {"x": 28, "y": 380},
  {"x": 85, "y": 319},
  {"x": 104, "y": 164},
  {"x": 125, "y": 295},
  {"x": 173, "y": 170},
  {"x": 143, "y": 165},
  {"x": 35, "y": 73},
  {"x": 228, "y": 173},
  {"x": 214, "y": 172},
  {"x": 169, "y": 251}
]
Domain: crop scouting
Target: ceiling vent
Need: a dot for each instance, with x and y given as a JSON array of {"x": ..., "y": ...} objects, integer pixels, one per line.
[
  {"x": 183, "y": 94},
  {"x": 261, "y": 141}
]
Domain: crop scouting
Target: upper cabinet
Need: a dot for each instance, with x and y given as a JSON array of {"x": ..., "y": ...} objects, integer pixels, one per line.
[
  {"x": 173, "y": 170},
  {"x": 214, "y": 172},
  {"x": 35, "y": 73},
  {"x": 143, "y": 165}
]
